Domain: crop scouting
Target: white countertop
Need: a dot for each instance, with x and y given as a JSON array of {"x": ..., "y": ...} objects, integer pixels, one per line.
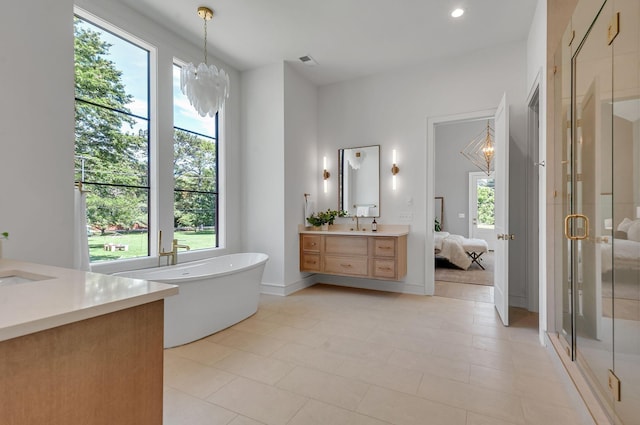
[
  {"x": 66, "y": 296},
  {"x": 365, "y": 230}
]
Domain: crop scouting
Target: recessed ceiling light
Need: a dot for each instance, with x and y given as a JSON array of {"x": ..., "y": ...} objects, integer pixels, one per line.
[{"x": 457, "y": 13}]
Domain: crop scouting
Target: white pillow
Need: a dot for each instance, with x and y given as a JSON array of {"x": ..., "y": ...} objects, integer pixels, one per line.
[
  {"x": 625, "y": 225},
  {"x": 633, "y": 234}
]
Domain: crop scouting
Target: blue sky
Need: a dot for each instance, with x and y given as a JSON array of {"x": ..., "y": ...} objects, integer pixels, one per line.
[{"x": 132, "y": 61}]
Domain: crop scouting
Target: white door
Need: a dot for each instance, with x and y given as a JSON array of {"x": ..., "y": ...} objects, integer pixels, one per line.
[
  {"x": 501, "y": 273},
  {"x": 482, "y": 207}
]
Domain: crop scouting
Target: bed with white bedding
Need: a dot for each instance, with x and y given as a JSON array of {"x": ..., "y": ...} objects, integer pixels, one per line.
[
  {"x": 624, "y": 251},
  {"x": 626, "y": 255},
  {"x": 458, "y": 250}
]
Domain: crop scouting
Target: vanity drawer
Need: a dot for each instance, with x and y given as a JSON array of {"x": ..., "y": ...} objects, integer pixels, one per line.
[
  {"x": 311, "y": 243},
  {"x": 384, "y": 247},
  {"x": 350, "y": 245},
  {"x": 384, "y": 268},
  {"x": 310, "y": 262},
  {"x": 356, "y": 266}
]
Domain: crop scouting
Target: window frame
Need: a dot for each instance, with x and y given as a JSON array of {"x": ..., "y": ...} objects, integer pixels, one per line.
[
  {"x": 151, "y": 127},
  {"x": 162, "y": 58},
  {"x": 215, "y": 137}
]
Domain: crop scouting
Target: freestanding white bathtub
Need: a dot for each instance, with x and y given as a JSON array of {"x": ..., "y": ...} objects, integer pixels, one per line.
[{"x": 214, "y": 294}]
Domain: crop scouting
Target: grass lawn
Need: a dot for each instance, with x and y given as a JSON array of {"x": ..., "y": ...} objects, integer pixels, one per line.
[{"x": 137, "y": 244}]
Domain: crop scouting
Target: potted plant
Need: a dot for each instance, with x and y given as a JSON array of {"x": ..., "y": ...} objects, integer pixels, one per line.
[{"x": 325, "y": 218}]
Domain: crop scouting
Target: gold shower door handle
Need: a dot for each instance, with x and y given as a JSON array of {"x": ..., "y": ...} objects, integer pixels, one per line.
[{"x": 567, "y": 221}]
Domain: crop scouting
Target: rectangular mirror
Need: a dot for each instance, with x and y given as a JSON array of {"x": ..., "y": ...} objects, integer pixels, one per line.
[
  {"x": 359, "y": 181},
  {"x": 438, "y": 214}
]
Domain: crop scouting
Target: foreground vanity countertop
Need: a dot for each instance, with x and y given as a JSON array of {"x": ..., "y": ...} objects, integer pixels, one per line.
[
  {"x": 40, "y": 297},
  {"x": 365, "y": 229}
]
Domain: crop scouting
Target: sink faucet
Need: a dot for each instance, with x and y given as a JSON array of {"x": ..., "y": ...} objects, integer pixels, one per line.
[
  {"x": 357, "y": 222},
  {"x": 174, "y": 250}
]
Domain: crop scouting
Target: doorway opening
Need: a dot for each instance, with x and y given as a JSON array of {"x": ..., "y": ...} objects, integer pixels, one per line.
[
  {"x": 463, "y": 252},
  {"x": 533, "y": 201},
  {"x": 500, "y": 155}
]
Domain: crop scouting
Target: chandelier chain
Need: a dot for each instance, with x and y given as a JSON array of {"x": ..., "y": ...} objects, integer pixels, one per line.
[{"x": 205, "y": 41}]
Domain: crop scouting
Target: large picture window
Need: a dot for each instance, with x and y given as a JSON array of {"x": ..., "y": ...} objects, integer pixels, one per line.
[
  {"x": 112, "y": 129},
  {"x": 195, "y": 173}
]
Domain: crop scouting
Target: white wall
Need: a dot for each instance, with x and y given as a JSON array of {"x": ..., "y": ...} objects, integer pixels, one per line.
[
  {"x": 280, "y": 165},
  {"x": 391, "y": 109},
  {"x": 36, "y": 130},
  {"x": 263, "y": 167},
  {"x": 302, "y": 168},
  {"x": 37, "y": 125}
]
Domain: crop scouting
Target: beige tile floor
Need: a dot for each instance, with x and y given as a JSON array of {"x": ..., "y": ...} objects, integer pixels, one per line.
[{"x": 341, "y": 356}]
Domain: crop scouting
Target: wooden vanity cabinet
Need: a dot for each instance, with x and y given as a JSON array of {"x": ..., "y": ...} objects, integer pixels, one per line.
[{"x": 373, "y": 257}]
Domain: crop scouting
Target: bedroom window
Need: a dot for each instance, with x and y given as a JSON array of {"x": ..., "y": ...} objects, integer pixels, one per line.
[
  {"x": 112, "y": 127},
  {"x": 195, "y": 172},
  {"x": 485, "y": 201}
]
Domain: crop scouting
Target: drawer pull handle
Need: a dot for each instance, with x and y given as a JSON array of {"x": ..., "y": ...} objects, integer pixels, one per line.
[
  {"x": 313, "y": 244},
  {"x": 384, "y": 247},
  {"x": 384, "y": 268},
  {"x": 345, "y": 265},
  {"x": 311, "y": 262}
]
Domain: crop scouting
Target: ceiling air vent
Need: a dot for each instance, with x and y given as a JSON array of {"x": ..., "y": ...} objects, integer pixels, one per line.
[{"x": 308, "y": 60}]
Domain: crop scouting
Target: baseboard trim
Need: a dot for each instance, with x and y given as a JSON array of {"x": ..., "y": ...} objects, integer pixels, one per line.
[
  {"x": 349, "y": 282},
  {"x": 518, "y": 301},
  {"x": 374, "y": 285},
  {"x": 284, "y": 290}
]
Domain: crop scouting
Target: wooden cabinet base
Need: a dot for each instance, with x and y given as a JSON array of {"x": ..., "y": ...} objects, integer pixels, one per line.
[
  {"x": 372, "y": 257},
  {"x": 104, "y": 370}
]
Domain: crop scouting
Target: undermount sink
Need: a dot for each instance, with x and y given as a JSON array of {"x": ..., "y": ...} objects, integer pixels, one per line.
[{"x": 15, "y": 277}]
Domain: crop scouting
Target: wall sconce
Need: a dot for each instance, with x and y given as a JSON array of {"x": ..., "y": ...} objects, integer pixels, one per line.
[
  {"x": 325, "y": 174},
  {"x": 394, "y": 170}
]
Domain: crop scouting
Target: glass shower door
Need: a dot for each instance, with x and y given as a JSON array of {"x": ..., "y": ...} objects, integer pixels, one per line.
[
  {"x": 597, "y": 204},
  {"x": 592, "y": 204},
  {"x": 563, "y": 195}
]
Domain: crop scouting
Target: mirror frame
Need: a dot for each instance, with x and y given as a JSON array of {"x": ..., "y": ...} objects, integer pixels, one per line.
[{"x": 341, "y": 179}]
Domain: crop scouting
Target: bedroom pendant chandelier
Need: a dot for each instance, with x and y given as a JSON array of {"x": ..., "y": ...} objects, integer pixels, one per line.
[
  {"x": 481, "y": 150},
  {"x": 206, "y": 86}
]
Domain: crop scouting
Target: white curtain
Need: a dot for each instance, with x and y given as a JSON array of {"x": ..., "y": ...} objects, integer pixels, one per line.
[{"x": 80, "y": 240}]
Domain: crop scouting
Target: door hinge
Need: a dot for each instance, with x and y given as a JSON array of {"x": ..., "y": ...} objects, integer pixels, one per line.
[
  {"x": 614, "y": 28},
  {"x": 614, "y": 385}
]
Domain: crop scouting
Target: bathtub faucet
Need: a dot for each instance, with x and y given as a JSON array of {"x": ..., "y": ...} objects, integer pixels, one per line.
[{"x": 175, "y": 246}]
